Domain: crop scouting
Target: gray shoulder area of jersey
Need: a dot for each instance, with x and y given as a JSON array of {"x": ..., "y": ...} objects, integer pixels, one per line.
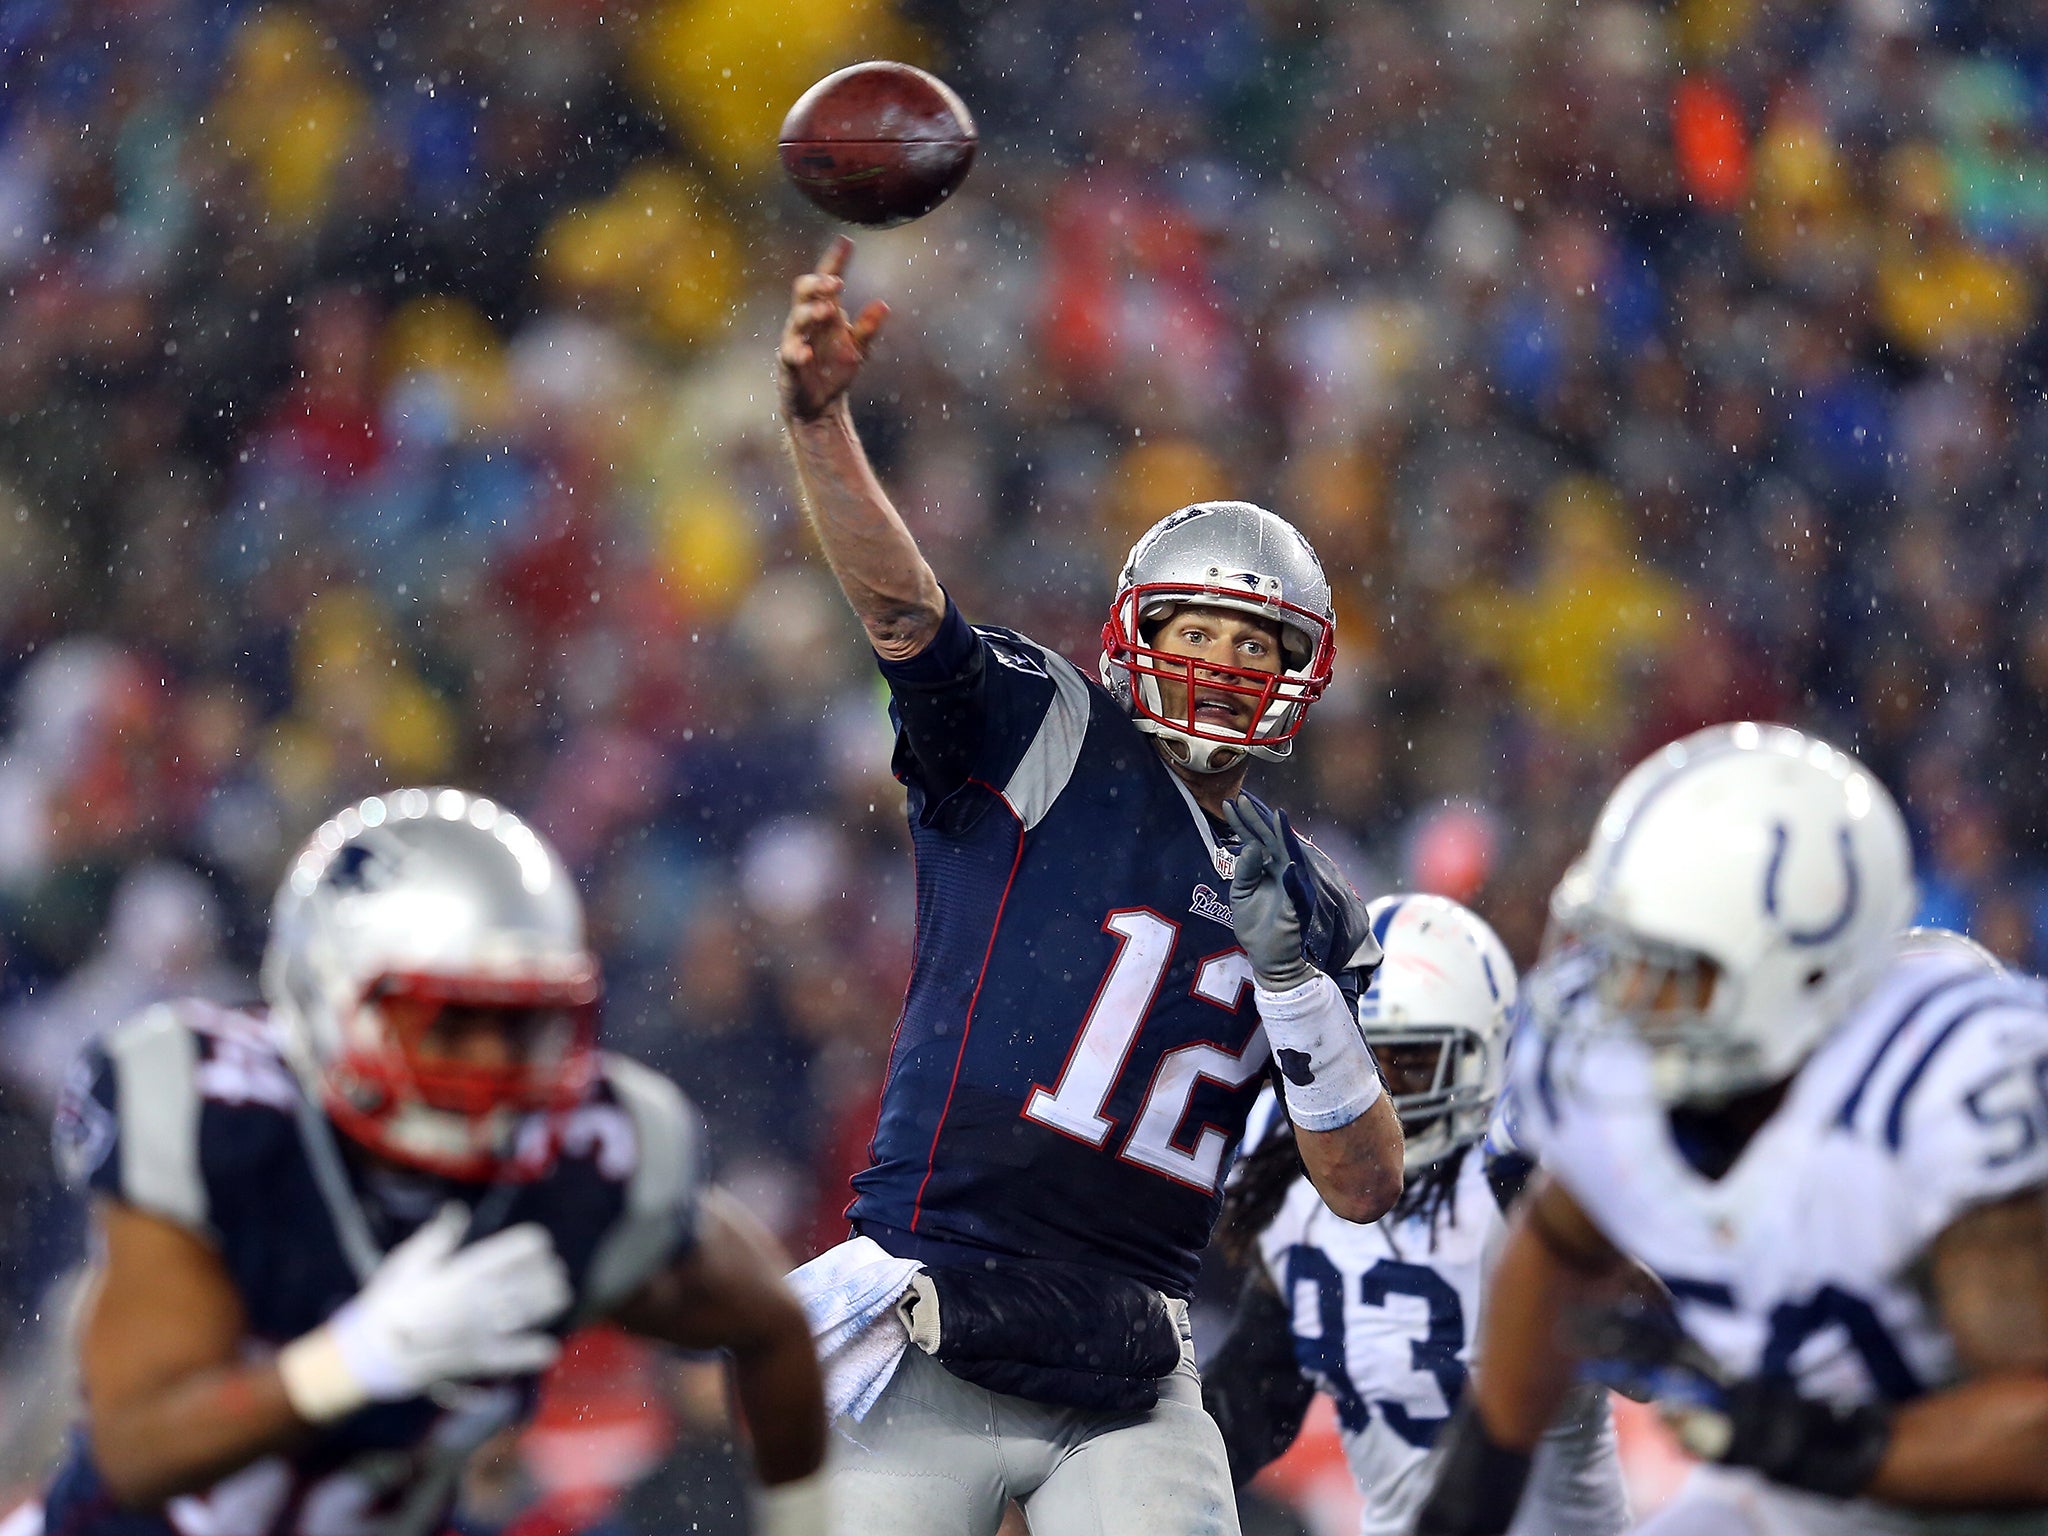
[
  {"x": 155, "y": 1057},
  {"x": 1048, "y": 762},
  {"x": 661, "y": 1194}
]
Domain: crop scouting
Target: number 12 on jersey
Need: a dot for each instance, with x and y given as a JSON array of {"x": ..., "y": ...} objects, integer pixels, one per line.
[{"x": 1074, "y": 1107}]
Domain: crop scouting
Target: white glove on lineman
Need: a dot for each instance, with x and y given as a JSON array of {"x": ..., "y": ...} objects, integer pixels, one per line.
[{"x": 432, "y": 1313}]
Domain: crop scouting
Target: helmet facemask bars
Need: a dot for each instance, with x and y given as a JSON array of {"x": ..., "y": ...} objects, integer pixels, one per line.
[
  {"x": 1458, "y": 1064},
  {"x": 1598, "y": 978},
  {"x": 1743, "y": 888},
  {"x": 429, "y": 976},
  {"x": 1278, "y": 700},
  {"x": 1436, "y": 1017},
  {"x": 1240, "y": 559}
]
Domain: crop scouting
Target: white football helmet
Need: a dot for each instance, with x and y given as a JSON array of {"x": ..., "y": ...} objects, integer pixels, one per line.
[
  {"x": 1743, "y": 888},
  {"x": 1446, "y": 984},
  {"x": 1920, "y": 943},
  {"x": 1221, "y": 554},
  {"x": 445, "y": 899}
]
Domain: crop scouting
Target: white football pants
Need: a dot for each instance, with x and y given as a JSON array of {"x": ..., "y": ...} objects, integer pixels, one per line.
[
  {"x": 938, "y": 1456},
  {"x": 1729, "y": 1501}
]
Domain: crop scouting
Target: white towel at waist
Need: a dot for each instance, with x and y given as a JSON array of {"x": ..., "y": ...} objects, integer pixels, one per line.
[{"x": 849, "y": 1295}]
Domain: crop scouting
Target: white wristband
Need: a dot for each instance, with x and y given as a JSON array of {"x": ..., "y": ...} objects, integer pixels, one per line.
[
  {"x": 801, "y": 1508},
  {"x": 317, "y": 1380},
  {"x": 1327, "y": 1069}
]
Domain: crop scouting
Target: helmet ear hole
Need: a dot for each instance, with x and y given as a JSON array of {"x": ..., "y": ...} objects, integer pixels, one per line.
[{"x": 1814, "y": 978}]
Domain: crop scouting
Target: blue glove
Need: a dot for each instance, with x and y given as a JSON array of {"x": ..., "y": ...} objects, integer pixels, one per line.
[{"x": 1269, "y": 894}]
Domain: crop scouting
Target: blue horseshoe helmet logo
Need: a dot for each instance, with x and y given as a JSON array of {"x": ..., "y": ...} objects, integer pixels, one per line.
[{"x": 1852, "y": 888}]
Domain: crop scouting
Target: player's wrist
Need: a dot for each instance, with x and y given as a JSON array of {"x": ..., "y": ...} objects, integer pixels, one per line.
[
  {"x": 1479, "y": 1481},
  {"x": 1281, "y": 976},
  {"x": 349, "y": 1361},
  {"x": 801, "y": 1507},
  {"x": 319, "y": 1382},
  {"x": 1284, "y": 1004},
  {"x": 834, "y": 416},
  {"x": 1328, "y": 1075}
]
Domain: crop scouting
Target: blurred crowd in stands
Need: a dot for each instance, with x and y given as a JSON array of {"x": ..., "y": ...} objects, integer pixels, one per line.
[{"x": 385, "y": 397}]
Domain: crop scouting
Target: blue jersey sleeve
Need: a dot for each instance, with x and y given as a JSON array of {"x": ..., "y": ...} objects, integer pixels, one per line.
[
  {"x": 85, "y": 1132},
  {"x": 983, "y": 715},
  {"x": 939, "y": 703},
  {"x": 663, "y": 1168},
  {"x": 169, "y": 1111}
]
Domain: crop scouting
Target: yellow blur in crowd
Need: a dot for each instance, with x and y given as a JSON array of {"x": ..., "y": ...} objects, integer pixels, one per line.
[{"x": 682, "y": 244}]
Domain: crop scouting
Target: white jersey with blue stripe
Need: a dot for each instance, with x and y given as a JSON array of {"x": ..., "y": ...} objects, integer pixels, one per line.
[
  {"x": 1926, "y": 1101},
  {"x": 1385, "y": 1317}
]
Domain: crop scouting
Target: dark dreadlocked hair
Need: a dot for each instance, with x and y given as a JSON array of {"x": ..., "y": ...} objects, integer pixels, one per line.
[
  {"x": 1431, "y": 1193},
  {"x": 1261, "y": 1184}
]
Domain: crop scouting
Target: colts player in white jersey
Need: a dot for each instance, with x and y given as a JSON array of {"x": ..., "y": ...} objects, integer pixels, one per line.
[
  {"x": 1382, "y": 1316},
  {"x": 1831, "y": 1149}
]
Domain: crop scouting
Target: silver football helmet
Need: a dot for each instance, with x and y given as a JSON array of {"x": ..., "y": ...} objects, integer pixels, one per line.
[
  {"x": 1232, "y": 555},
  {"x": 408, "y": 904},
  {"x": 1441, "y": 998}
]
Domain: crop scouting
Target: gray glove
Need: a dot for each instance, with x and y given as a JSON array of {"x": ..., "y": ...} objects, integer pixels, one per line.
[{"x": 1268, "y": 894}]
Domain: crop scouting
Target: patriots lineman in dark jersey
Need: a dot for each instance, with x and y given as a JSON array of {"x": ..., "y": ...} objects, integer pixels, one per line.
[
  {"x": 1113, "y": 944},
  {"x": 338, "y": 1242}
]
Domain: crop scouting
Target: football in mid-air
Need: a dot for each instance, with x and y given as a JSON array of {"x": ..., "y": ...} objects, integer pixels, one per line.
[{"x": 878, "y": 143}]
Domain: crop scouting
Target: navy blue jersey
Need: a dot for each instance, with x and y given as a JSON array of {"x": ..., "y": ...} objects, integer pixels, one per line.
[
  {"x": 1079, "y": 1045},
  {"x": 190, "y": 1114}
]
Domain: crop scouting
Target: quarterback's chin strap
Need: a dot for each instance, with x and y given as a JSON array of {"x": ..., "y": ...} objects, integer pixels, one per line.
[
  {"x": 331, "y": 1179},
  {"x": 1194, "y": 753},
  {"x": 1328, "y": 1074}
]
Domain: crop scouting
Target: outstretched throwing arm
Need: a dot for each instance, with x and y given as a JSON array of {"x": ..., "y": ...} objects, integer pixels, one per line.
[{"x": 871, "y": 552}]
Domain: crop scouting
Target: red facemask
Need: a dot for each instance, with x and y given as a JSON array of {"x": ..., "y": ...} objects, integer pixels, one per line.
[
  {"x": 1125, "y": 646},
  {"x": 392, "y": 1072}
]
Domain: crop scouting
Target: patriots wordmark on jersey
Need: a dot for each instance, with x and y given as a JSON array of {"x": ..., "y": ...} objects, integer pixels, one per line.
[
  {"x": 191, "y": 1115},
  {"x": 1799, "y": 1262},
  {"x": 1079, "y": 1044}
]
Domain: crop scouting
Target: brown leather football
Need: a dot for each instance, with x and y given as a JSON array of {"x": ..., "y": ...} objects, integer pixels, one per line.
[{"x": 878, "y": 143}]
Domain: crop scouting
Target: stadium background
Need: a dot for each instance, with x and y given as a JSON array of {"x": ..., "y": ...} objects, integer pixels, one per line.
[{"x": 385, "y": 396}]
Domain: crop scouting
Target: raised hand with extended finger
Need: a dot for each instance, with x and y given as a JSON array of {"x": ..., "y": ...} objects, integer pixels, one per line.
[
  {"x": 822, "y": 349},
  {"x": 1269, "y": 898},
  {"x": 1328, "y": 1072}
]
